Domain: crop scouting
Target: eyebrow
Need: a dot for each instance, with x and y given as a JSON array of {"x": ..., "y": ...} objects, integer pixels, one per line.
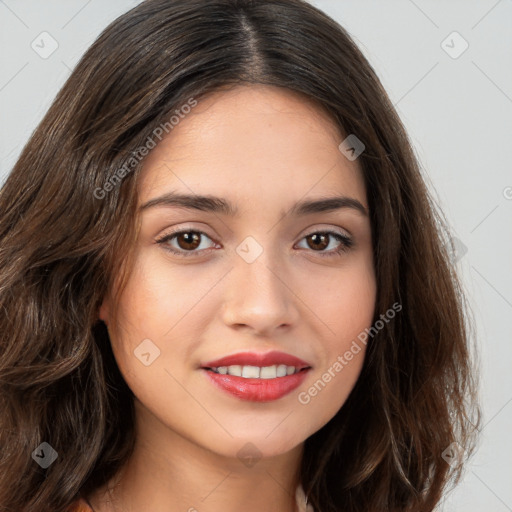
[{"x": 209, "y": 203}]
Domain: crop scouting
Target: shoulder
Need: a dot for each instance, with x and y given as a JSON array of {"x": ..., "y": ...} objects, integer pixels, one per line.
[{"x": 79, "y": 506}]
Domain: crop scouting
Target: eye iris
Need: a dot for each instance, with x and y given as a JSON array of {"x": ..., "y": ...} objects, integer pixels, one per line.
[
  {"x": 316, "y": 237},
  {"x": 190, "y": 237}
]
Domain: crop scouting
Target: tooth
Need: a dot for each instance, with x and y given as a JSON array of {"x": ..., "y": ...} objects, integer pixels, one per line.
[
  {"x": 268, "y": 372},
  {"x": 251, "y": 372},
  {"x": 256, "y": 372},
  {"x": 235, "y": 370},
  {"x": 281, "y": 370}
]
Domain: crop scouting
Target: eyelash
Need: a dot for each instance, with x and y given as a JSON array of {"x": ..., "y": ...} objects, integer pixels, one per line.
[{"x": 345, "y": 245}]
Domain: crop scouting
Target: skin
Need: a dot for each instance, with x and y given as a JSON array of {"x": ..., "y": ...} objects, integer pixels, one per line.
[{"x": 262, "y": 148}]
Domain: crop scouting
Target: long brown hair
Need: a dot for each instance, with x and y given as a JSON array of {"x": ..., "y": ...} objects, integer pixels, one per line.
[{"x": 64, "y": 221}]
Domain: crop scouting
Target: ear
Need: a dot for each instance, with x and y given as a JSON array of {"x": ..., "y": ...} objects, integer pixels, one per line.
[{"x": 104, "y": 312}]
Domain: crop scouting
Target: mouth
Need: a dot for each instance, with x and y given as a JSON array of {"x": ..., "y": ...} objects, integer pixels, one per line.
[{"x": 257, "y": 377}]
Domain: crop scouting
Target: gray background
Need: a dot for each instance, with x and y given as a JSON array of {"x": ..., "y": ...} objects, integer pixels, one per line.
[{"x": 458, "y": 112}]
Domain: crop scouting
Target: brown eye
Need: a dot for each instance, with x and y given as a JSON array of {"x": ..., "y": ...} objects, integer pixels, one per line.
[
  {"x": 321, "y": 240},
  {"x": 184, "y": 243}
]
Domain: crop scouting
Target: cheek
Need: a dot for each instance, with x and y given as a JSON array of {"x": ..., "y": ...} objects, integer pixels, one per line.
[
  {"x": 347, "y": 307},
  {"x": 332, "y": 382},
  {"x": 144, "y": 312},
  {"x": 161, "y": 303},
  {"x": 343, "y": 300},
  {"x": 327, "y": 393},
  {"x": 158, "y": 297}
]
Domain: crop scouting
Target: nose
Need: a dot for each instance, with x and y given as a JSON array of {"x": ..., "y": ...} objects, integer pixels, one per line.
[{"x": 258, "y": 297}]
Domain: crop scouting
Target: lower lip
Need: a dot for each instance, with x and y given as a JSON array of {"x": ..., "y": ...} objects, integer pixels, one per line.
[{"x": 257, "y": 390}]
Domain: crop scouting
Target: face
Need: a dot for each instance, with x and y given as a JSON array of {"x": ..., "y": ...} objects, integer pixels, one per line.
[{"x": 263, "y": 277}]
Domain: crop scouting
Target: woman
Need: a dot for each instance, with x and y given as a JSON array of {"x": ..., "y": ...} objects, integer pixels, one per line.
[{"x": 223, "y": 283}]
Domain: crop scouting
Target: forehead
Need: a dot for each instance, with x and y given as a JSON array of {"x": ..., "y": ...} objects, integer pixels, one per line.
[{"x": 252, "y": 138}]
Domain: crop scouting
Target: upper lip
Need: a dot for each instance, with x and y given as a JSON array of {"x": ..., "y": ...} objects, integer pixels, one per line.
[{"x": 257, "y": 359}]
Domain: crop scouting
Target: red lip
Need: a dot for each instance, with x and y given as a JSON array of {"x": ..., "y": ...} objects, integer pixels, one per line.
[
  {"x": 258, "y": 359},
  {"x": 257, "y": 390}
]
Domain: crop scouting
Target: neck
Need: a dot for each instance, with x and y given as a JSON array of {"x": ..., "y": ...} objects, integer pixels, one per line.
[{"x": 169, "y": 473}]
